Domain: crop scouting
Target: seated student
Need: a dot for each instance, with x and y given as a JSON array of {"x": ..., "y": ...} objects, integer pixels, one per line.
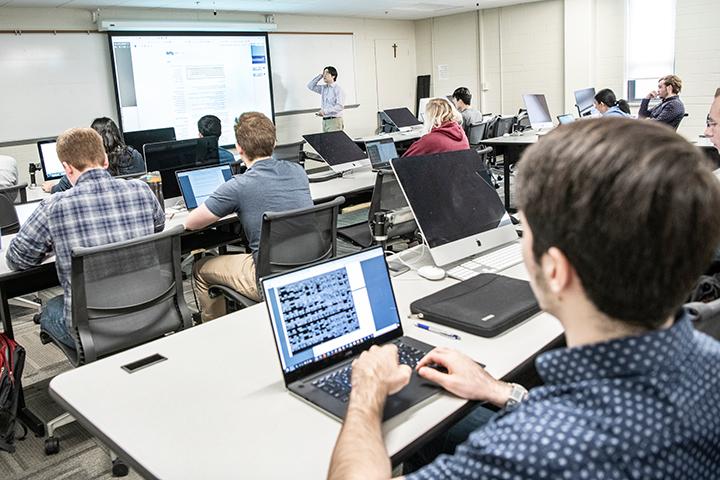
[
  {"x": 98, "y": 210},
  {"x": 268, "y": 185},
  {"x": 442, "y": 122},
  {"x": 712, "y": 130},
  {"x": 671, "y": 110},
  {"x": 470, "y": 116},
  {"x": 122, "y": 159},
  {"x": 609, "y": 106},
  {"x": 636, "y": 393},
  {"x": 209, "y": 126},
  {"x": 8, "y": 171}
]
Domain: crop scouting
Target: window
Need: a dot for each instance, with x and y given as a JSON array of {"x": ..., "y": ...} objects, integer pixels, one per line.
[{"x": 650, "y": 45}]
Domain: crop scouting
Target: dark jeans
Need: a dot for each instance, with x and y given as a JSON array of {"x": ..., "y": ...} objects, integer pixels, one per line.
[
  {"x": 447, "y": 442},
  {"x": 52, "y": 320}
]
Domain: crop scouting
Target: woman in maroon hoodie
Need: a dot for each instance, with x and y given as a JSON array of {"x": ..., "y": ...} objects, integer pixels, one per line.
[{"x": 445, "y": 133}]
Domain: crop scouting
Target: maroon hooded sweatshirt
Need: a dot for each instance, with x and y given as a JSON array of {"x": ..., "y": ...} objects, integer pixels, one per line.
[{"x": 448, "y": 137}]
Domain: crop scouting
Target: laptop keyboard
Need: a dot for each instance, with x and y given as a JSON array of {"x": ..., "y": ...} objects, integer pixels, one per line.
[
  {"x": 492, "y": 262},
  {"x": 337, "y": 383}
]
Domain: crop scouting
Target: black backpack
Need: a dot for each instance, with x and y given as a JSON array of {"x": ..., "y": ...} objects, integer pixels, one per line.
[{"x": 12, "y": 361}]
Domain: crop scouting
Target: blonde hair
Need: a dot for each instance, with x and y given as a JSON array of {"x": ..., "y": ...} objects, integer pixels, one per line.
[
  {"x": 81, "y": 147},
  {"x": 439, "y": 111}
]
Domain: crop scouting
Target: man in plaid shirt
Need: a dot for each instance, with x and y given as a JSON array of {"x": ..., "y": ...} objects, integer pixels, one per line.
[{"x": 98, "y": 211}]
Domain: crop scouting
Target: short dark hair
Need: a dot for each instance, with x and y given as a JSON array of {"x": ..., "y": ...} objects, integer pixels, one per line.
[
  {"x": 462, "y": 93},
  {"x": 607, "y": 97},
  {"x": 332, "y": 71},
  {"x": 672, "y": 81},
  {"x": 81, "y": 147},
  {"x": 209, "y": 126},
  {"x": 632, "y": 205},
  {"x": 255, "y": 134}
]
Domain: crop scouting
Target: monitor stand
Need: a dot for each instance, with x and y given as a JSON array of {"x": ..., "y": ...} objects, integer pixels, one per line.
[{"x": 324, "y": 175}]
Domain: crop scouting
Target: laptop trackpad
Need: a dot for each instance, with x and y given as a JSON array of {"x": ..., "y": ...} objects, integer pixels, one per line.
[{"x": 415, "y": 392}]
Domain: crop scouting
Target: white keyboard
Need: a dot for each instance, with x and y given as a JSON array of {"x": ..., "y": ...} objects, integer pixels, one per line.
[{"x": 492, "y": 262}]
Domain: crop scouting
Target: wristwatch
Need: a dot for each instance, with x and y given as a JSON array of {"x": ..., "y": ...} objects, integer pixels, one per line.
[{"x": 517, "y": 395}]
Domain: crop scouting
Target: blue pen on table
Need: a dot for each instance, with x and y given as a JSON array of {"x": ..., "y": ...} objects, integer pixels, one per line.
[{"x": 439, "y": 332}]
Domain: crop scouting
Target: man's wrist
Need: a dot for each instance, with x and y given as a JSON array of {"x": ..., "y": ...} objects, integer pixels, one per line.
[
  {"x": 368, "y": 398},
  {"x": 500, "y": 394}
]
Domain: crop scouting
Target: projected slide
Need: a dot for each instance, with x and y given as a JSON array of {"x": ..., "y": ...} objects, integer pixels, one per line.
[{"x": 173, "y": 80}]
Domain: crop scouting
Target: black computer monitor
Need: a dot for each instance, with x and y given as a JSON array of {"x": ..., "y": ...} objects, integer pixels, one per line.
[
  {"x": 338, "y": 150},
  {"x": 401, "y": 117},
  {"x": 51, "y": 166},
  {"x": 169, "y": 157},
  {"x": 584, "y": 100},
  {"x": 139, "y": 138}
]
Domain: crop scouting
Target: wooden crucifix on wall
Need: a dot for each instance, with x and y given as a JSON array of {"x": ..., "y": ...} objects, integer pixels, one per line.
[{"x": 394, "y": 47}]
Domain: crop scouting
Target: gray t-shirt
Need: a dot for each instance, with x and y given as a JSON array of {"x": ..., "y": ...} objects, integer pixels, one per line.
[
  {"x": 8, "y": 171},
  {"x": 268, "y": 186},
  {"x": 470, "y": 116}
]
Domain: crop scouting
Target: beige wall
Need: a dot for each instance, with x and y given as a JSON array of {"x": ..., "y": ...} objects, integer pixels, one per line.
[{"x": 358, "y": 121}]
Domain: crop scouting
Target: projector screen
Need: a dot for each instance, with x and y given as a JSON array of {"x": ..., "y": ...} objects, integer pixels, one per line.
[{"x": 173, "y": 79}]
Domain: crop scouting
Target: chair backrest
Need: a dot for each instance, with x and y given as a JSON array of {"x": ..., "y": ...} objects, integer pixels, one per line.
[
  {"x": 298, "y": 237},
  {"x": 9, "y": 222},
  {"x": 125, "y": 294},
  {"x": 16, "y": 193},
  {"x": 289, "y": 151},
  {"x": 476, "y": 133},
  {"x": 708, "y": 317},
  {"x": 388, "y": 197}
]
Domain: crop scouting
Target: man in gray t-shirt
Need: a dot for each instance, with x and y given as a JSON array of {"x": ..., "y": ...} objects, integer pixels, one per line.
[
  {"x": 461, "y": 98},
  {"x": 268, "y": 185}
]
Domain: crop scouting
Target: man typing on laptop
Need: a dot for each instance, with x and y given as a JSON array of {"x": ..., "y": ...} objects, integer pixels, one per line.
[{"x": 620, "y": 220}]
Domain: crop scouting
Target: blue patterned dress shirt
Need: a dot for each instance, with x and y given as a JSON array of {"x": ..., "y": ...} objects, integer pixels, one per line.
[
  {"x": 643, "y": 407},
  {"x": 332, "y": 97},
  {"x": 98, "y": 211}
]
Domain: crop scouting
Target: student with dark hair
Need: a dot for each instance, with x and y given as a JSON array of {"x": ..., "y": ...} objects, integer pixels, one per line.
[
  {"x": 609, "y": 106},
  {"x": 620, "y": 220},
  {"x": 712, "y": 130},
  {"x": 671, "y": 110},
  {"x": 122, "y": 159},
  {"x": 210, "y": 126},
  {"x": 332, "y": 99},
  {"x": 470, "y": 116}
]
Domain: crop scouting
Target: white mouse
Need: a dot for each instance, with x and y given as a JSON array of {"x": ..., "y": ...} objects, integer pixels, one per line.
[{"x": 431, "y": 272}]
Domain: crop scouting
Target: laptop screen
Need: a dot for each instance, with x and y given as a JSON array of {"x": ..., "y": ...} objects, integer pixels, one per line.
[
  {"x": 326, "y": 309},
  {"x": 51, "y": 165},
  {"x": 381, "y": 151},
  {"x": 198, "y": 184},
  {"x": 567, "y": 118}
]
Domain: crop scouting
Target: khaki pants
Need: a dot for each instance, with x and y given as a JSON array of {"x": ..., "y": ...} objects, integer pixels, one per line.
[
  {"x": 234, "y": 271},
  {"x": 333, "y": 124}
]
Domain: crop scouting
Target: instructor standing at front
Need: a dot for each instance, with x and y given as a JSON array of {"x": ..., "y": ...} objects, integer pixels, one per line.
[{"x": 333, "y": 99}]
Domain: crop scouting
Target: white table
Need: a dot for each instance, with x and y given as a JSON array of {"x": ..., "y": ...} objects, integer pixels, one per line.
[
  {"x": 217, "y": 408},
  {"x": 354, "y": 181}
]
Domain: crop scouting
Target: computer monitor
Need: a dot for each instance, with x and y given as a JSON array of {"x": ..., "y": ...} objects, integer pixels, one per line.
[
  {"x": 381, "y": 152},
  {"x": 51, "y": 166},
  {"x": 138, "y": 139},
  {"x": 456, "y": 222},
  {"x": 422, "y": 104},
  {"x": 538, "y": 112},
  {"x": 169, "y": 157},
  {"x": 337, "y": 150},
  {"x": 197, "y": 184},
  {"x": 584, "y": 100},
  {"x": 565, "y": 118},
  {"x": 401, "y": 118}
]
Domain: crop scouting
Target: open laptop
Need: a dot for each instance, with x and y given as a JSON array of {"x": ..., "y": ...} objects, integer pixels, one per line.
[
  {"x": 566, "y": 118},
  {"x": 380, "y": 152},
  {"x": 466, "y": 227},
  {"x": 197, "y": 184},
  {"x": 326, "y": 314},
  {"x": 51, "y": 166}
]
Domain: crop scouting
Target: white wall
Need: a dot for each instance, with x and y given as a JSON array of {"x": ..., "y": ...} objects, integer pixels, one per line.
[{"x": 358, "y": 121}]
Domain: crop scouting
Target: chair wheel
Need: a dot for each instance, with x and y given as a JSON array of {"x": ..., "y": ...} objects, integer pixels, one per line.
[
  {"x": 52, "y": 446},
  {"x": 36, "y": 319},
  {"x": 119, "y": 469},
  {"x": 37, "y": 300}
]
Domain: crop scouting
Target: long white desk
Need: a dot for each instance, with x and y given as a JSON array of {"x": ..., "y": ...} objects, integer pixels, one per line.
[
  {"x": 217, "y": 407},
  {"x": 358, "y": 180}
]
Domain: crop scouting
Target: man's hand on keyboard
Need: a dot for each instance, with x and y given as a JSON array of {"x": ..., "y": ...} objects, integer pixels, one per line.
[
  {"x": 464, "y": 377},
  {"x": 377, "y": 371}
]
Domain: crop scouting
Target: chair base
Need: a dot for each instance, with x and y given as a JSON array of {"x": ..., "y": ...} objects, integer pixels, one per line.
[{"x": 52, "y": 444}]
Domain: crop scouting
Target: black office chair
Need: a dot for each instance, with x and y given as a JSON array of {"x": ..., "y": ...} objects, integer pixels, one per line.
[
  {"x": 386, "y": 197},
  {"x": 476, "y": 133},
  {"x": 123, "y": 294},
  {"x": 16, "y": 193},
  {"x": 9, "y": 222},
  {"x": 708, "y": 317},
  {"x": 289, "y": 151},
  {"x": 288, "y": 240}
]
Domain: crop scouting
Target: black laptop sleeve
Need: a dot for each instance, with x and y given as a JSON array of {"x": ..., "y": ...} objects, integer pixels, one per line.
[{"x": 485, "y": 305}]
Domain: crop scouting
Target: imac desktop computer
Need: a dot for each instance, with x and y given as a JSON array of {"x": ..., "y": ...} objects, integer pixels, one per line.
[
  {"x": 585, "y": 101},
  {"x": 51, "y": 166},
  {"x": 338, "y": 150},
  {"x": 138, "y": 139},
  {"x": 398, "y": 119},
  {"x": 169, "y": 157},
  {"x": 538, "y": 112}
]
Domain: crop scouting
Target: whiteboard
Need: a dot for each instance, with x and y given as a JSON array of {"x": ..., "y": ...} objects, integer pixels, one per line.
[
  {"x": 50, "y": 83},
  {"x": 296, "y": 58}
]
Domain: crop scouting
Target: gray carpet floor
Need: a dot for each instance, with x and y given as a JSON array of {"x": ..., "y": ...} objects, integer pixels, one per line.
[{"x": 81, "y": 456}]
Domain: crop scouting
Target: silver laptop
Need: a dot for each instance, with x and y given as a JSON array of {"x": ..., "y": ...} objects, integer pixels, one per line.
[
  {"x": 326, "y": 314},
  {"x": 380, "y": 152},
  {"x": 197, "y": 184}
]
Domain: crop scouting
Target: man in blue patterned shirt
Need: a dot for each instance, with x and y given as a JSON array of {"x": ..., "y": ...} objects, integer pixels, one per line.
[
  {"x": 620, "y": 220},
  {"x": 332, "y": 99},
  {"x": 99, "y": 210}
]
